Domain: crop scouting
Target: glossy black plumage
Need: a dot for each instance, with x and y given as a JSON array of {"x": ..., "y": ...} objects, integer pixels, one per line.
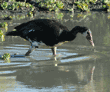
[{"x": 47, "y": 31}]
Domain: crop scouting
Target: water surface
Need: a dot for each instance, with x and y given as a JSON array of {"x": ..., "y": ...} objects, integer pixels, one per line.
[{"x": 77, "y": 68}]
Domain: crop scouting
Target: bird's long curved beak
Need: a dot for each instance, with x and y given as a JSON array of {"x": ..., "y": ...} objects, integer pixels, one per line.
[{"x": 90, "y": 38}]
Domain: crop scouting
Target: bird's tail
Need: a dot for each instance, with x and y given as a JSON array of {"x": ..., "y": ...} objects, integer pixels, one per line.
[{"x": 12, "y": 33}]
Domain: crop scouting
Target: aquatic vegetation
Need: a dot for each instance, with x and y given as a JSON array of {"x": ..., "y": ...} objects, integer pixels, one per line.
[
  {"x": 37, "y": 1},
  {"x": 106, "y": 1},
  {"x": 59, "y": 4},
  {"x": 27, "y": 5},
  {"x": 2, "y": 36},
  {"x": 82, "y": 6},
  {"x": 59, "y": 15},
  {"x": 16, "y": 5},
  {"x": 106, "y": 6},
  {"x": 17, "y": 17},
  {"x": 22, "y": 4},
  {"x": 32, "y": 8},
  {"x": 48, "y": 4},
  {"x": 4, "y": 5},
  {"x": 6, "y": 57},
  {"x": 21, "y": 17},
  {"x": 3, "y": 25},
  {"x": 56, "y": 9},
  {"x": 11, "y": 0},
  {"x": 108, "y": 16},
  {"x": 11, "y": 17},
  {"x": 70, "y": 9},
  {"x": 88, "y": 1},
  {"x": 0, "y": 1},
  {"x": 30, "y": 14},
  {"x": 12, "y": 5},
  {"x": 93, "y": 1},
  {"x": 83, "y": 15},
  {"x": 14, "y": 29},
  {"x": 51, "y": 4}
]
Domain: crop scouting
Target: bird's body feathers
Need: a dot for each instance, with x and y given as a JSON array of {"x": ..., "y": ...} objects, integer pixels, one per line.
[
  {"x": 47, "y": 31},
  {"x": 50, "y": 32}
]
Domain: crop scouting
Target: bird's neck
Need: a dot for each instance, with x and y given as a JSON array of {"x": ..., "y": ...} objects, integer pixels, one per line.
[{"x": 72, "y": 35}]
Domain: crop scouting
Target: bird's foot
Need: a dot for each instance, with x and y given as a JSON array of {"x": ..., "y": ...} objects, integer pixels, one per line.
[
  {"x": 57, "y": 55},
  {"x": 36, "y": 46},
  {"x": 28, "y": 53}
]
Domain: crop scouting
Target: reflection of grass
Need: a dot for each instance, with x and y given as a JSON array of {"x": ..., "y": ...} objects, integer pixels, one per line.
[
  {"x": 59, "y": 15},
  {"x": 108, "y": 16},
  {"x": 2, "y": 36},
  {"x": 83, "y": 15},
  {"x": 4, "y": 25}
]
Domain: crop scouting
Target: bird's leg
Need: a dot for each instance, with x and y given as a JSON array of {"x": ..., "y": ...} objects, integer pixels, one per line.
[
  {"x": 30, "y": 50},
  {"x": 32, "y": 47},
  {"x": 54, "y": 50},
  {"x": 29, "y": 39}
]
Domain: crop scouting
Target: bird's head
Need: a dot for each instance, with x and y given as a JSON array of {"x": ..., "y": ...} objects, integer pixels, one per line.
[
  {"x": 86, "y": 32},
  {"x": 88, "y": 35}
]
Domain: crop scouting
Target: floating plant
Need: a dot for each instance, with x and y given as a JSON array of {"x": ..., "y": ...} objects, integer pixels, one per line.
[
  {"x": 32, "y": 8},
  {"x": 59, "y": 4},
  {"x": 51, "y": 4},
  {"x": 6, "y": 57},
  {"x": 4, "y": 5},
  {"x": 82, "y": 6},
  {"x": 30, "y": 14}
]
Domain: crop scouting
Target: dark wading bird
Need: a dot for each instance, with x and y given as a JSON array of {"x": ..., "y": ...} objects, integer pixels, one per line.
[{"x": 49, "y": 32}]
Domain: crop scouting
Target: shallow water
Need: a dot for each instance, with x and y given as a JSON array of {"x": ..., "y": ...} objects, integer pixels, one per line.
[
  {"x": 78, "y": 67},
  {"x": 72, "y": 70}
]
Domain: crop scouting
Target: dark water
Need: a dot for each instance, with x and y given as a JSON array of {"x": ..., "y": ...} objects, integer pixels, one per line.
[{"x": 77, "y": 68}]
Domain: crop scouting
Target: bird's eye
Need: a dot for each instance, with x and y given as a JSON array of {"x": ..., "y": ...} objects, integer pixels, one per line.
[{"x": 88, "y": 33}]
